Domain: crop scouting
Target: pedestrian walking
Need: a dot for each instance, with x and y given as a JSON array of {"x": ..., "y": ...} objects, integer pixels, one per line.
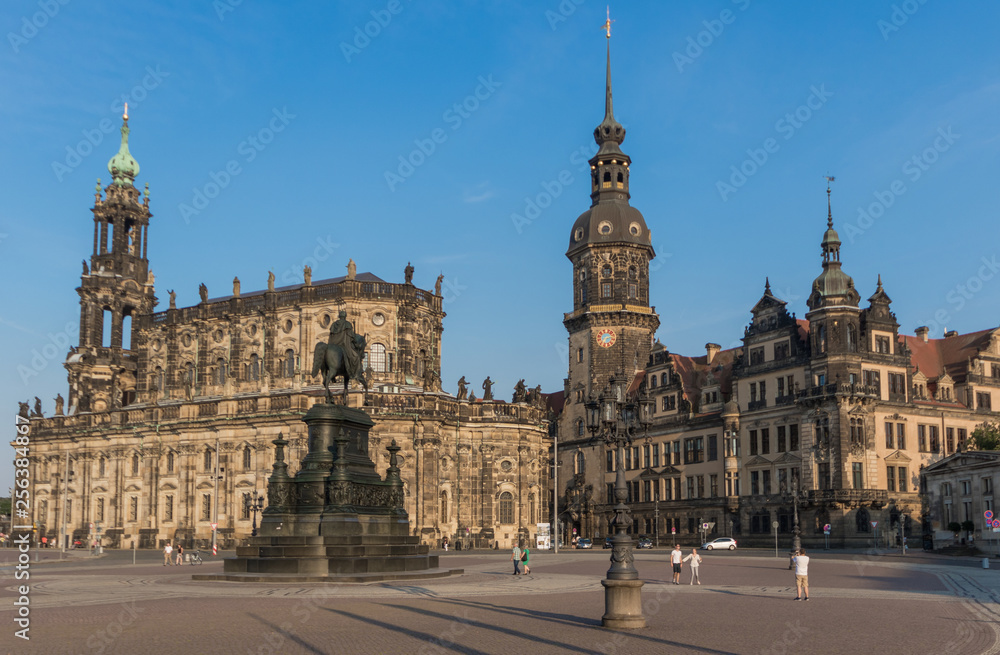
[
  {"x": 801, "y": 574},
  {"x": 676, "y": 559},
  {"x": 445, "y": 544},
  {"x": 180, "y": 554},
  {"x": 515, "y": 556},
  {"x": 695, "y": 560},
  {"x": 525, "y": 557},
  {"x": 166, "y": 554}
]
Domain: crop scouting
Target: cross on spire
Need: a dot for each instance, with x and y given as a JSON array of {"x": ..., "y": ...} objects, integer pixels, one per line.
[{"x": 607, "y": 25}]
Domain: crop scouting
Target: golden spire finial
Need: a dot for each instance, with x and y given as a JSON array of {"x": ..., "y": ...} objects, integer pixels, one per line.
[
  {"x": 607, "y": 25},
  {"x": 125, "y": 113}
]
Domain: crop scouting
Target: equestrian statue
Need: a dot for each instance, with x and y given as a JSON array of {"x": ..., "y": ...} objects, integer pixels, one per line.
[{"x": 341, "y": 357}]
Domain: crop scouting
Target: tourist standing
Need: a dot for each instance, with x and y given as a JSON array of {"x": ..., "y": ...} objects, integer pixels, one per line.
[
  {"x": 676, "y": 558},
  {"x": 801, "y": 575},
  {"x": 180, "y": 554},
  {"x": 166, "y": 554},
  {"x": 695, "y": 560},
  {"x": 515, "y": 555}
]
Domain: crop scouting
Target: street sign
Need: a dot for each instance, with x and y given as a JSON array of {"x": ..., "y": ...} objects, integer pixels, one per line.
[
  {"x": 705, "y": 526},
  {"x": 988, "y": 514},
  {"x": 774, "y": 524},
  {"x": 92, "y": 525},
  {"x": 874, "y": 524},
  {"x": 673, "y": 530},
  {"x": 996, "y": 523},
  {"x": 215, "y": 525},
  {"x": 826, "y": 528}
]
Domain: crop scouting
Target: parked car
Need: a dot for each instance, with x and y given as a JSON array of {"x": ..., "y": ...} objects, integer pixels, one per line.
[
  {"x": 607, "y": 542},
  {"x": 584, "y": 543},
  {"x": 645, "y": 542},
  {"x": 720, "y": 543}
]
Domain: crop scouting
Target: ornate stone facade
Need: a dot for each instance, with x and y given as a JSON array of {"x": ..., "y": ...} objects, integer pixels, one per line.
[
  {"x": 156, "y": 405},
  {"x": 839, "y": 406}
]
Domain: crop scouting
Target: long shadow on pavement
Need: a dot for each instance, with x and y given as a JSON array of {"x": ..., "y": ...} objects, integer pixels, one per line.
[
  {"x": 290, "y": 636},
  {"x": 420, "y": 636}
]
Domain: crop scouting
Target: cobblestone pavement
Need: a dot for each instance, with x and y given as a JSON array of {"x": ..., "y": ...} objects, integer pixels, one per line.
[{"x": 860, "y": 603}]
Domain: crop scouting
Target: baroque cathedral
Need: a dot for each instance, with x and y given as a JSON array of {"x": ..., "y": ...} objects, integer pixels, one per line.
[
  {"x": 821, "y": 424},
  {"x": 171, "y": 415}
]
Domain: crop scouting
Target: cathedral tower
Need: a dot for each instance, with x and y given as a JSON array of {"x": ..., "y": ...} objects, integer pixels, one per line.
[
  {"x": 115, "y": 288},
  {"x": 612, "y": 324}
]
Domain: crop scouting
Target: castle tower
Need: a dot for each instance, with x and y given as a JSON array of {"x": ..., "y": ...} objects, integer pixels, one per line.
[
  {"x": 115, "y": 288},
  {"x": 612, "y": 324}
]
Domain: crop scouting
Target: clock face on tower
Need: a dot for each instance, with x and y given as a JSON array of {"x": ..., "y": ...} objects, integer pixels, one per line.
[{"x": 606, "y": 338}]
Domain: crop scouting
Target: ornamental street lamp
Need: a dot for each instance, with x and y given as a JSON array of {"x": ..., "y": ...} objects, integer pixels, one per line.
[
  {"x": 618, "y": 419},
  {"x": 255, "y": 503},
  {"x": 796, "y": 542}
]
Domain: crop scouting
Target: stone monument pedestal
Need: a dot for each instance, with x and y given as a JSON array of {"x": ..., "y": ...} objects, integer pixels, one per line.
[{"x": 336, "y": 520}]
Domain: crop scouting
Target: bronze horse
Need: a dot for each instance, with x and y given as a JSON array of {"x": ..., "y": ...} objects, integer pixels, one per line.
[{"x": 330, "y": 361}]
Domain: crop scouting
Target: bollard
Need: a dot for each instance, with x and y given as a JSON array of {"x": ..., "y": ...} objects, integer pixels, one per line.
[{"x": 986, "y": 562}]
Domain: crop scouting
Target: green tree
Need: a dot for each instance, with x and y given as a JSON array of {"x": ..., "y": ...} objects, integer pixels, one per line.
[
  {"x": 4, "y": 506},
  {"x": 955, "y": 527},
  {"x": 986, "y": 437}
]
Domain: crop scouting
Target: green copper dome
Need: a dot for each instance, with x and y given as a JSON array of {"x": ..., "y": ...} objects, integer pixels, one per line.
[{"x": 123, "y": 166}]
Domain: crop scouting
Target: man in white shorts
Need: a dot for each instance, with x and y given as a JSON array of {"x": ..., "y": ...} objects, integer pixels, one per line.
[{"x": 801, "y": 575}]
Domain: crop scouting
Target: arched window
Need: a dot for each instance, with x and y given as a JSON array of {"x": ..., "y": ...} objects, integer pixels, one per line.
[
  {"x": 190, "y": 375},
  {"x": 135, "y": 465},
  {"x": 101, "y": 467},
  {"x": 633, "y": 282},
  {"x": 127, "y": 329},
  {"x": 220, "y": 371},
  {"x": 444, "y": 507},
  {"x": 375, "y": 357},
  {"x": 579, "y": 427},
  {"x": 158, "y": 381},
  {"x": 288, "y": 366},
  {"x": 652, "y": 381},
  {"x": 664, "y": 380},
  {"x": 106, "y": 319},
  {"x": 253, "y": 369},
  {"x": 170, "y": 462},
  {"x": 852, "y": 338},
  {"x": 208, "y": 459},
  {"x": 607, "y": 176},
  {"x": 246, "y": 458},
  {"x": 507, "y": 508},
  {"x": 578, "y": 463}
]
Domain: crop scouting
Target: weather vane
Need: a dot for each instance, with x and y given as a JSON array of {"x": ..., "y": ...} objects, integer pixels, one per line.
[
  {"x": 607, "y": 25},
  {"x": 829, "y": 178}
]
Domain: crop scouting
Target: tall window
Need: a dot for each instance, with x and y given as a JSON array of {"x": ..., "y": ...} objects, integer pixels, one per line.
[
  {"x": 208, "y": 459},
  {"x": 857, "y": 476},
  {"x": 288, "y": 365},
  {"x": 99, "y": 509},
  {"x": 135, "y": 465},
  {"x": 101, "y": 464},
  {"x": 852, "y": 338},
  {"x": 904, "y": 483},
  {"x": 253, "y": 368},
  {"x": 901, "y": 436},
  {"x": 888, "y": 435},
  {"x": 133, "y": 508},
  {"x": 935, "y": 441},
  {"x": 246, "y": 458},
  {"x": 170, "y": 462},
  {"x": 713, "y": 447},
  {"x": 578, "y": 463},
  {"x": 824, "y": 475},
  {"x": 158, "y": 378},
  {"x": 793, "y": 436},
  {"x": 753, "y": 442},
  {"x": 507, "y": 508},
  {"x": 219, "y": 376},
  {"x": 579, "y": 427},
  {"x": 206, "y": 507},
  {"x": 376, "y": 358},
  {"x": 245, "y": 506},
  {"x": 781, "y": 438},
  {"x": 765, "y": 441},
  {"x": 168, "y": 508}
]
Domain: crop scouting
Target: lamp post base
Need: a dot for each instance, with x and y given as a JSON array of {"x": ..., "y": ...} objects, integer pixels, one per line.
[{"x": 623, "y": 605}]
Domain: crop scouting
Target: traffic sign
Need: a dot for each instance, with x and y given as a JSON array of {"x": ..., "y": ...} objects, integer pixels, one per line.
[
  {"x": 774, "y": 524},
  {"x": 874, "y": 524},
  {"x": 988, "y": 514},
  {"x": 996, "y": 523},
  {"x": 704, "y": 525},
  {"x": 673, "y": 530},
  {"x": 215, "y": 525}
]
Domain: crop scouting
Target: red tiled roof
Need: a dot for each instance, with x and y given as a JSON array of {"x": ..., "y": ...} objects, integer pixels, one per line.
[
  {"x": 950, "y": 355},
  {"x": 693, "y": 371}
]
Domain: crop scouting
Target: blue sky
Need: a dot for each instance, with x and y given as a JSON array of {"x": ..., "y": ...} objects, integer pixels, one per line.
[{"x": 898, "y": 100}]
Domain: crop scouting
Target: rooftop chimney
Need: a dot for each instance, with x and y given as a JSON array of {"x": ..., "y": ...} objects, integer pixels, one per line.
[
  {"x": 950, "y": 333},
  {"x": 922, "y": 332},
  {"x": 711, "y": 350}
]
